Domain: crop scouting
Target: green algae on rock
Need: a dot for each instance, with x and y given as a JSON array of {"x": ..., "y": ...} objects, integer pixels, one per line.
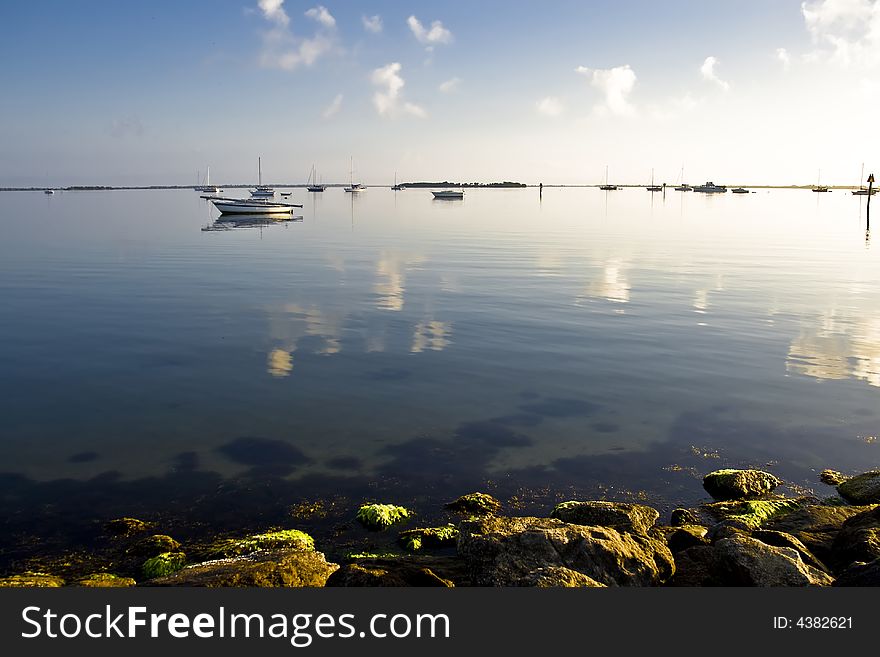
[
  {"x": 861, "y": 489},
  {"x": 739, "y": 484},
  {"x": 126, "y": 526},
  {"x": 753, "y": 513},
  {"x": 478, "y": 504},
  {"x": 274, "y": 540},
  {"x": 164, "y": 564},
  {"x": 150, "y": 546},
  {"x": 428, "y": 537},
  {"x": 31, "y": 580},
  {"x": 381, "y": 516},
  {"x": 620, "y": 515},
  {"x": 105, "y": 580}
]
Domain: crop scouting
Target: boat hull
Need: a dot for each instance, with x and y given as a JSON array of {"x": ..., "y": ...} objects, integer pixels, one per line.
[
  {"x": 448, "y": 195},
  {"x": 227, "y": 207}
]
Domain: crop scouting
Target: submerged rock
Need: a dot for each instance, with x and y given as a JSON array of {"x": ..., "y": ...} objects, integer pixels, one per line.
[
  {"x": 428, "y": 537},
  {"x": 31, "y": 580},
  {"x": 150, "y": 546},
  {"x": 381, "y": 516},
  {"x": 106, "y": 580},
  {"x": 750, "y": 562},
  {"x": 739, "y": 484},
  {"x": 478, "y": 504},
  {"x": 274, "y": 540},
  {"x": 403, "y": 571},
  {"x": 267, "y": 568},
  {"x": 163, "y": 564},
  {"x": 861, "y": 489},
  {"x": 126, "y": 526},
  {"x": 832, "y": 477},
  {"x": 510, "y": 551},
  {"x": 620, "y": 515}
]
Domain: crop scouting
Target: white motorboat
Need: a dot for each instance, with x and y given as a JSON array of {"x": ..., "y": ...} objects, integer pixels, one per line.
[
  {"x": 262, "y": 191},
  {"x": 710, "y": 188},
  {"x": 449, "y": 193},
  {"x": 48, "y": 191},
  {"x": 252, "y": 206}
]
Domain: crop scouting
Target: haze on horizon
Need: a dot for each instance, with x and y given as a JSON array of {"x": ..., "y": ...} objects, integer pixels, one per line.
[{"x": 99, "y": 92}]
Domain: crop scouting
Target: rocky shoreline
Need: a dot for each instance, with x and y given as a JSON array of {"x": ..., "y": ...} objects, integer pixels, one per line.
[{"x": 748, "y": 536}]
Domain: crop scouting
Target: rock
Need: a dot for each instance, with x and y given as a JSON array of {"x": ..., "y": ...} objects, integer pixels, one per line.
[
  {"x": 274, "y": 540},
  {"x": 31, "y": 580},
  {"x": 381, "y": 516},
  {"x": 428, "y": 537},
  {"x": 404, "y": 571},
  {"x": 559, "y": 577},
  {"x": 816, "y": 526},
  {"x": 749, "y": 562},
  {"x": 266, "y": 568},
  {"x": 105, "y": 580},
  {"x": 508, "y": 551},
  {"x": 832, "y": 477},
  {"x": 696, "y": 566},
  {"x": 861, "y": 489},
  {"x": 150, "y": 546},
  {"x": 754, "y": 513},
  {"x": 739, "y": 484},
  {"x": 620, "y": 515},
  {"x": 478, "y": 504},
  {"x": 163, "y": 564},
  {"x": 858, "y": 539},
  {"x": 860, "y": 574},
  {"x": 781, "y": 539},
  {"x": 681, "y": 517},
  {"x": 679, "y": 539},
  {"x": 727, "y": 529},
  {"x": 126, "y": 526}
]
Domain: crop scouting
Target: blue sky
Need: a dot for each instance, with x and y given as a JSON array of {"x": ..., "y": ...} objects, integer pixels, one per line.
[{"x": 151, "y": 93}]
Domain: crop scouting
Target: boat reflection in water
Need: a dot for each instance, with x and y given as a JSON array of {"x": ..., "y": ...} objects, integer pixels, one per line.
[{"x": 230, "y": 221}]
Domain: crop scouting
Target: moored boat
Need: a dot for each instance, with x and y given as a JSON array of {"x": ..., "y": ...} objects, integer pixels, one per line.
[
  {"x": 710, "y": 188},
  {"x": 448, "y": 193},
  {"x": 252, "y": 206},
  {"x": 262, "y": 191},
  {"x": 739, "y": 190}
]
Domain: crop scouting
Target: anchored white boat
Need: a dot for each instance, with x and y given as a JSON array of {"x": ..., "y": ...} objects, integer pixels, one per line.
[
  {"x": 208, "y": 187},
  {"x": 353, "y": 187},
  {"x": 252, "y": 206},
  {"x": 261, "y": 191},
  {"x": 449, "y": 193},
  {"x": 710, "y": 188}
]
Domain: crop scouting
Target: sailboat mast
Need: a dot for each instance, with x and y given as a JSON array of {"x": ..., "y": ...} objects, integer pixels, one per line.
[{"x": 259, "y": 172}]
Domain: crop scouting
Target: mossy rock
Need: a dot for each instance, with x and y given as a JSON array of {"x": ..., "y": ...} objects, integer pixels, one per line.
[
  {"x": 739, "y": 484},
  {"x": 381, "y": 516},
  {"x": 356, "y": 556},
  {"x": 274, "y": 540},
  {"x": 31, "y": 580},
  {"x": 150, "y": 546},
  {"x": 753, "y": 513},
  {"x": 126, "y": 526},
  {"x": 620, "y": 515},
  {"x": 428, "y": 537},
  {"x": 861, "y": 489},
  {"x": 106, "y": 580},
  {"x": 478, "y": 504},
  {"x": 832, "y": 477},
  {"x": 164, "y": 564}
]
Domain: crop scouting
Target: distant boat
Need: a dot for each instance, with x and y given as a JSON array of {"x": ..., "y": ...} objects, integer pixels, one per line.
[
  {"x": 710, "y": 188},
  {"x": 818, "y": 187},
  {"x": 606, "y": 187},
  {"x": 653, "y": 187},
  {"x": 261, "y": 191},
  {"x": 312, "y": 182},
  {"x": 396, "y": 187},
  {"x": 862, "y": 190},
  {"x": 683, "y": 186},
  {"x": 352, "y": 186},
  {"x": 48, "y": 191},
  {"x": 208, "y": 187},
  {"x": 740, "y": 190},
  {"x": 449, "y": 193},
  {"x": 253, "y": 206}
]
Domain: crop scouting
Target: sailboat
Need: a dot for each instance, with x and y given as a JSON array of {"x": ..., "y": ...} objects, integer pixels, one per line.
[
  {"x": 606, "y": 187},
  {"x": 261, "y": 191},
  {"x": 862, "y": 190},
  {"x": 352, "y": 187},
  {"x": 653, "y": 187},
  {"x": 818, "y": 187},
  {"x": 208, "y": 187},
  {"x": 683, "y": 186},
  {"x": 396, "y": 187},
  {"x": 312, "y": 182}
]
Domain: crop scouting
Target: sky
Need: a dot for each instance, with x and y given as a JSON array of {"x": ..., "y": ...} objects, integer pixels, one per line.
[{"x": 151, "y": 93}]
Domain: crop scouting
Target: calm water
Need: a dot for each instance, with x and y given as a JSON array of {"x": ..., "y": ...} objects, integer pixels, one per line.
[{"x": 586, "y": 341}]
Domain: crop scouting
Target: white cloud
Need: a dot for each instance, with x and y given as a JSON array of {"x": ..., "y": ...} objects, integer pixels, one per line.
[
  {"x": 550, "y": 106},
  {"x": 372, "y": 23},
  {"x": 708, "y": 72},
  {"x": 282, "y": 49},
  {"x": 333, "y": 108},
  {"x": 435, "y": 35},
  {"x": 850, "y": 28},
  {"x": 388, "y": 98},
  {"x": 783, "y": 56},
  {"x": 321, "y": 15},
  {"x": 615, "y": 84},
  {"x": 273, "y": 10},
  {"x": 450, "y": 85}
]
